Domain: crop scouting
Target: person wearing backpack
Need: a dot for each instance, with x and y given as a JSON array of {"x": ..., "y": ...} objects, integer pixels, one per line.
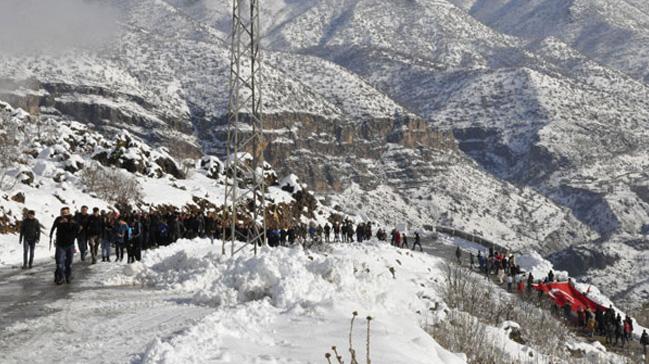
[
  {"x": 120, "y": 234},
  {"x": 163, "y": 233},
  {"x": 134, "y": 250},
  {"x": 94, "y": 229},
  {"x": 81, "y": 218},
  {"x": 107, "y": 236}
]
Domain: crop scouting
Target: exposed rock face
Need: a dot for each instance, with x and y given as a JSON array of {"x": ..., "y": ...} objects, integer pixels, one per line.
[
  {"x": 107, "y": 110},
  {"x": 328, "y": 154},
  {"x": 579, "y": 260}
]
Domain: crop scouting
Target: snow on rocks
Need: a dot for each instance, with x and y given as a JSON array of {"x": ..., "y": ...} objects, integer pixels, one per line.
[
  {"x": 290, "y": 306},
  {"x": 211, "y": 166},
  {"x": 135, "y": 156},
  {"x": 531, "y": 261},
  {"x": 291, "y": 184},
  {"x": 593, "y": 351}
]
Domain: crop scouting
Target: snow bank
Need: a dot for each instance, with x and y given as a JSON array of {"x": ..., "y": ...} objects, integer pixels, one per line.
[
  {"x": 290, "y": 305},
  {"x": 591, "y": 351},
  {"x": 531, "y": 261}
]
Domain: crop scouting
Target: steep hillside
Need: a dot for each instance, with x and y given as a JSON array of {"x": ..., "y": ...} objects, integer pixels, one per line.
[
  {"x": 614, "y": 33},
  {"x": 52, "y": 162}
]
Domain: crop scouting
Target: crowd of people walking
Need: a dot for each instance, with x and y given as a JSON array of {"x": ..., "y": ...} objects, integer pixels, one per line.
[
  {"x": 605, "y": 323},
  {"x": 109, "y": 235},
  {"x": 117, "y": 237}
]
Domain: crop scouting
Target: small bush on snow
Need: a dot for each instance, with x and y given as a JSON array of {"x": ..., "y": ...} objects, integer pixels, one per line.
[
  {"x": 111, "y": 184},
  {"x": 352, "y": 352},
  {"x": 9, "y": 151}
]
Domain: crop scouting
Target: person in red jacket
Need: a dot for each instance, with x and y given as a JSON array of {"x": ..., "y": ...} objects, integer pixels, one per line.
[{"x": 628, "y": 330}]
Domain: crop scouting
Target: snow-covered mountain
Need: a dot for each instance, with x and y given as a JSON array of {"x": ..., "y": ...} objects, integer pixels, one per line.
[
  {"x": 549, "y": 100},
  {"x": 612, "y": 32}
]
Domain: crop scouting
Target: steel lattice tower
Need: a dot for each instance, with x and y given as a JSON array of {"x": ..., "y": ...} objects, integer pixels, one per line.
[{"x": 245, "y": 146}]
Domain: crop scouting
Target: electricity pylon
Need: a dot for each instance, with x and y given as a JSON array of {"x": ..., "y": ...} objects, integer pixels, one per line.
[{"x": 245, "y": 146}]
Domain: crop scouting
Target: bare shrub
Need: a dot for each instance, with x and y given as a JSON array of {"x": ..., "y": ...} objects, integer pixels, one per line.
[
  {"x": 111, "y": 184},
  {"x": 9, "y": 153},
  {"x": 464, "y": 333},
  {"x": 336, "y": 357}
]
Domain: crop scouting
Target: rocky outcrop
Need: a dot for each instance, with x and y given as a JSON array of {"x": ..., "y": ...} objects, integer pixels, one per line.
[
  {"x": 102, "y": 107},
  {"x": 329, "y": 154}
]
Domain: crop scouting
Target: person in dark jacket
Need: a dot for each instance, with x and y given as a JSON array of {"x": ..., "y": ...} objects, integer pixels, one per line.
[
  {"x": 530, "y": 283},
  {"x": 94, "y": 229},
  {"x": 644, "y": 341},
  {"x": 134, "y": 251},
  {"x": 327, "y": 233},
  {"x": 120, "y": 236},
  {"x": 67, "y": 230},
  {"x": 107, "y": 236},
  {"x": 81, "y": 219},
  {"x": 30, "y": 235},
  {"x": 417, "y": 242}
]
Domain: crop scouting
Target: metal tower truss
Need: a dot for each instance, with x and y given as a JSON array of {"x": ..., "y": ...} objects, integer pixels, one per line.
[{"x": 244, "y": 208}]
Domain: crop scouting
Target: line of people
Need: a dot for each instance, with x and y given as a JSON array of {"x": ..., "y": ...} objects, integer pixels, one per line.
[
  {"x": 606, "y": 323},
  {"x": 400, "y": 240},
  {"x": 107, "y": 233},
  {"x": 339, "y": 232},
  {"x": 102, "y": 232}
]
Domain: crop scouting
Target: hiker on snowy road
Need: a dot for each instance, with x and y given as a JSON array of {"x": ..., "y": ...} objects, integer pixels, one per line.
[
  {"x": 644, "y": 341},
  {"x": 120, "y": 236},
  {"x": 417, "y": 242},
  {"x": 30, "y": 234},
  {"x": 94, "y": 229},
  {"x": 66, "y": 232},
  {"x": 458, "y": 255},
  {"x": 81, "y": 218}
]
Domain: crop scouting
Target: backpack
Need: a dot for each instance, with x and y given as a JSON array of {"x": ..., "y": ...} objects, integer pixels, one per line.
[{"x": 164, "y": 230}]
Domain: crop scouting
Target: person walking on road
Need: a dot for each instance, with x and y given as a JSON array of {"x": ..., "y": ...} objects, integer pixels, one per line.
[
  {"x": 530, "y": 283},
  {"x": 417, "y": 242},
  {"x": 30, "y": 235},
  {"x": 67, "y": 230},
  {"x": 458, "y": 255},
  {"x": 94, "y": 231},
  {"x": 107, "y": 236},
  {"x": 120, "y": 238},
  {"x": 644, "y": 341},
  {"x": 81, "y": 218}
]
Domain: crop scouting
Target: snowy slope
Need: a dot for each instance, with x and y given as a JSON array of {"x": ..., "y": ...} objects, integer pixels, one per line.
[
  {"x": 614, "y": 33},
  {"x": 53, "y": 154},
  {"x": 287, "y": 305},
  {"x": 265, "y": 305}
]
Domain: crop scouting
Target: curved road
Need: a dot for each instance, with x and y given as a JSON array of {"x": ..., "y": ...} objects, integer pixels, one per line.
[{"x": 85, "y": 321}]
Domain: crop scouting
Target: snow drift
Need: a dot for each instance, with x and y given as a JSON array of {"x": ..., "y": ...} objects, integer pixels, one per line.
[{"x": 287, "y": 305}]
